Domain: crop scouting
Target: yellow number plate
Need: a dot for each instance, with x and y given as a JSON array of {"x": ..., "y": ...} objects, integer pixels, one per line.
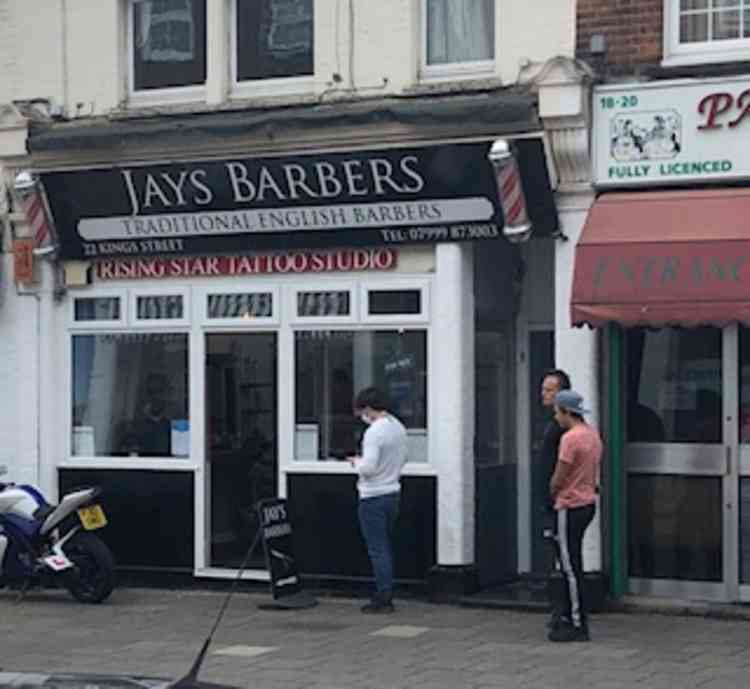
[{"x": 92, "y": 517}]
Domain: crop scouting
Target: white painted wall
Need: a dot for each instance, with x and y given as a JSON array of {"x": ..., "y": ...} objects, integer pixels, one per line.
[
  {"x": 534, "y": 31},
  {"x": 19, "y": 378},
  {"x": 31, "y": 50},
  {"x": 576, "y": 349},
  {"x": 73, "y": 51},
  {"x": 452, "y": 402}
]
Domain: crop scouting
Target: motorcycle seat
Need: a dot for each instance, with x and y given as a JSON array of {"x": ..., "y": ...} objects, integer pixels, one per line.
[{"x": 41, "y": 513}]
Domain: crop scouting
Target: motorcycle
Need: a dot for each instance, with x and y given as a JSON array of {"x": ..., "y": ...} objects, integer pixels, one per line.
[{"x": 43, "y": 544}]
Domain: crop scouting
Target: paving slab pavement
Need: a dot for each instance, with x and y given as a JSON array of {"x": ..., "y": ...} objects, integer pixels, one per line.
[{"x": 333, "y": 646}]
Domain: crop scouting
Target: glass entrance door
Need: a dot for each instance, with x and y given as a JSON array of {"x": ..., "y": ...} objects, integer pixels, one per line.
[
  {"x": 688, "y": 462},
  {"x": 241, "y": 442},
  {"x": 679, "y": 433}
]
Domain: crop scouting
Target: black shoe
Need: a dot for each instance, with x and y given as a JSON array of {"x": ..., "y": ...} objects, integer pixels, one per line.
[
  {"x": 567, "y": 632},
  {"x": 557, "y": 619},
  {"x": 375, "y": 607}
]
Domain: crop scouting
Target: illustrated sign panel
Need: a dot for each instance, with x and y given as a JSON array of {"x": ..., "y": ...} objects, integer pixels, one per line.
[
  {"x": 666, "y": 133},
  {"x": 357, "y": 198}
]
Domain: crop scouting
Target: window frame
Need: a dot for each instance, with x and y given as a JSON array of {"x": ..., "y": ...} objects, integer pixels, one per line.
[
  {"x": 421, "y": 286},
  {"x": 257, "y": 323},
  {"x": 95, "y": 325},
  {"x": 159, "y": 323},
  {"x": 171, "y": 95},
  {"x": 676, "y": 54},
  {"x": 323, "y": 321},
  {"x": 272, "y": 86},
  {"x": 452, "y": 70}
]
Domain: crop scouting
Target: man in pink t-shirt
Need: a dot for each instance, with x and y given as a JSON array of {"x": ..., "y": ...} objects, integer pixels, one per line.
[{"x": 574, "y": 487}]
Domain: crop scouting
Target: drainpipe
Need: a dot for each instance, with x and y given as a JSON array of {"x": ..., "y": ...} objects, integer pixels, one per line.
[
  {"x": 64, "y": 61},
  {"x": 38, "y": 372}
]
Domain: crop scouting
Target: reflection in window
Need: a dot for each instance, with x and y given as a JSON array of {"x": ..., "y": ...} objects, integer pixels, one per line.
[
  {"x": 130, "y": 395},
  {"x": 312, "y": 304},
  {"x": 332, "y": 366},
  {"x": 161, "y": 307},
  {"x": 674, "y": 385},
  {"x": 240, "y": 305},
  {"x": 169, "y": 43},
  {"x": 675, "y": 527},
  {"x": 714, "y": 20},
  {"x": 460, "y": 31},
  {"x": 274, "y": 38},
  {"x": 97, "y": 309}
]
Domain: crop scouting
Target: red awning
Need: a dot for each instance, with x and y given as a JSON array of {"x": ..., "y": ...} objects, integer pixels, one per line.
[{"x": 664, "y": 258}]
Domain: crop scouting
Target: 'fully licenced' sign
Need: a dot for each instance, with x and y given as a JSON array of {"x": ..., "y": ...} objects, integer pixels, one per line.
[{"x": 671, "y": 132}]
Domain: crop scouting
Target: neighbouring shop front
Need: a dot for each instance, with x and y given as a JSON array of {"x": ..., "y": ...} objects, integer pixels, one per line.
[
  {"x": 220, "y": 311},
  {"x": 663, "y": 267}
]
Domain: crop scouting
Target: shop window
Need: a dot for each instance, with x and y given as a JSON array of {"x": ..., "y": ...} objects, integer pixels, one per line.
[
  {"x": 96, "y": 309},
  {"x": 394, "y": 302},
  {"x": 706, "y": 29},
  {"x": 168, "y": 43},
  {"x": 332, "y": 366},
  {"x": 329, "y": 303},
  {"x": 674, "y": 385},
  {"x": 246, "y": 305},
  {"x": 458, "y": 34},
  {"x": 274, "y": 39},
  {"x": 130, "y": 395}
]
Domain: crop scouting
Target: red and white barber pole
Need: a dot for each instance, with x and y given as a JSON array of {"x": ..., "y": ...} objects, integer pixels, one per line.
[
  {"x": 517, "y": 227},
  {"x": 34, "y": 207}
]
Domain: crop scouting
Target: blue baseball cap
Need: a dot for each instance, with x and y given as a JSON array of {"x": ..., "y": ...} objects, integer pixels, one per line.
[{"x": 571, "y": 401}]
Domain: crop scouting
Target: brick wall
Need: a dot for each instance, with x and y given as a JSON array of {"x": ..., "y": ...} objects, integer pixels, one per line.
[{"x": 632, "y": 30}]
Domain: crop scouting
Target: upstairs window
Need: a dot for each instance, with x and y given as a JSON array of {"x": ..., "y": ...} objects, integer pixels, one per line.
[
  {"x": 706, "y": 30},
  {"x": 168, "y": 43},
  {"x": 703, "y": 21},
  {"x": 274, "y": 39},
  {"x": 459, "y": 35}
]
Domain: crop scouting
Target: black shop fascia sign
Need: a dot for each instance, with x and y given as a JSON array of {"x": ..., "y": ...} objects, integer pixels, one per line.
[{"x": 420, "y": 194}]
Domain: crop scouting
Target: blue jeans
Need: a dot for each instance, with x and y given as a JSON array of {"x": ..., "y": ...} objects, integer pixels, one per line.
[{"x": 377, "y": 517}]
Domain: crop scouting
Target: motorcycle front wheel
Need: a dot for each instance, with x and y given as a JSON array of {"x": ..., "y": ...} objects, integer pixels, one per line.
[{"x": 93, "y": 577}]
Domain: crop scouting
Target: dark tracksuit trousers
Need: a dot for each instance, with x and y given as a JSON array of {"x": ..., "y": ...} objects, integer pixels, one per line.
[{"x": 571, "y": 525}]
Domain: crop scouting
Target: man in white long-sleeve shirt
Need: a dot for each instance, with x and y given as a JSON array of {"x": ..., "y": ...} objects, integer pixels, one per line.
[{"x": 379, "y": 487}]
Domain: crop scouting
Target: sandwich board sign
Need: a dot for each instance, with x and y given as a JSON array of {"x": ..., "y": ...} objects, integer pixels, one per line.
[{"x": 276, "y": 529}]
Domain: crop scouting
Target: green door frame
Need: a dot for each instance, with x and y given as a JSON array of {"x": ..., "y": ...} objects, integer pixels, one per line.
[{"x": 616, "y": 473}]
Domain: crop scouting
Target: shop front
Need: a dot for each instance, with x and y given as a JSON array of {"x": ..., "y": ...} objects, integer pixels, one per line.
[
  {"x": 219, "y": 313},
  {"x": 662, "y": 267}
]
